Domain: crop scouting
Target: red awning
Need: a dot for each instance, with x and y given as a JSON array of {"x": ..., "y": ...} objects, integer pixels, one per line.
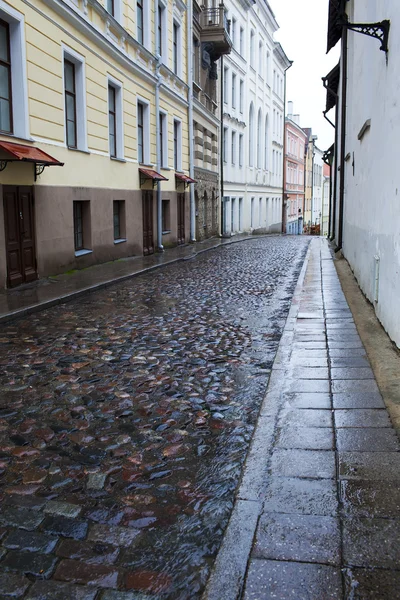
[
  {"x": 21, "y": 152},
  {"x": 184, "y": 178},
  {"x": 150, "y": 174}
]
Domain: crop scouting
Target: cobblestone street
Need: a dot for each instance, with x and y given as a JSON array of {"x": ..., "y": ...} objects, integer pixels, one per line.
[{"x": 125, "y": 420}]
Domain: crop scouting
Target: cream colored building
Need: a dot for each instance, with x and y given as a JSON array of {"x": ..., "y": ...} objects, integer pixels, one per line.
[{"x": 94, "y": 136}]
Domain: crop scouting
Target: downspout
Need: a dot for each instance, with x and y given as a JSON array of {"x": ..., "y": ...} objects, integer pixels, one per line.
[
  {"x": 342, "y": 138},
  {"x": 312, "y": 182},
  {"x": 160, "y": 246},
  {"x": 190, "y": 117},
  {"x": 221, "y": 159},
  {"x": 334, "y": 168},
  {"x": 284, "y": 151},
  {"x": 331, "y": 170}
]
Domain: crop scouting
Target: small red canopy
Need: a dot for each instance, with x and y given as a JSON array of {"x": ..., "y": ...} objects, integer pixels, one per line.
[
  {"x": 184, "y": 178},
  {"x": 31, "y": 154},
  {"x": 150, "y": 174}
]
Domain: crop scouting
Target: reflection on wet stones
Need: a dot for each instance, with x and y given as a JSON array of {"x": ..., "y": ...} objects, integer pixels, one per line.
[{"x": 136, "y": 406}]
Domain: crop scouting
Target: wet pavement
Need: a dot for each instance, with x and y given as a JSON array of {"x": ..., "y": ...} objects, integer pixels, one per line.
[
  {"x": 317, "y": 515},
  {"x": 125, "y": 419}
]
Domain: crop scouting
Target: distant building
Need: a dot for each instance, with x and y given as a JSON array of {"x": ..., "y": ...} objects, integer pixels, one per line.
[
  {"x": 313, "y": 187},
  {"x": 326, "y": 185},
  {"x": 294, "y": 183},
  {"x": 253, "y": 89},
  {"x": 364, "y": 90}
]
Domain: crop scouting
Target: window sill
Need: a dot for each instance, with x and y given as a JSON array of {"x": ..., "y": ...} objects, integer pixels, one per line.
[
  {"x": 118, "y": 159},
  {"x": 119, "y": 240},
  {"x": 166, "y": 232},
  {"x": 78, "y": 150},
  {"x": 83, "y": 252},
  {"x": 165, "y": 169},
  {"x": 17, "y": 137}
]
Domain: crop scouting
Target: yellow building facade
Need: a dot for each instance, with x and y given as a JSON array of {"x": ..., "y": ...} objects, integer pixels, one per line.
[{"x": 94, "y": 137}]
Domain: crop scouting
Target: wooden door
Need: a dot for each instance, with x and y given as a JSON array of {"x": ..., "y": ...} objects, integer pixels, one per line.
[
  {"x": 181, "y": 218},
  {"x": 147, "y": 208},
  {"x": 19, "y": 226}
]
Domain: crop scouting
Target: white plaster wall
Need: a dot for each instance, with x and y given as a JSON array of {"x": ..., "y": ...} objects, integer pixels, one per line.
[{"x": 372, "y": 193}]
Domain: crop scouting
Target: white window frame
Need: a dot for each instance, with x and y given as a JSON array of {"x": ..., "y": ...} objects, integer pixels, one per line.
[
  {"x": 80, "y": 96},
  {"x": 179, "y": 144},
  {"x": 164, "y": 31},
  {"x": 241, "y": 96},
  {"x": 164, "y": 124},
  {"x": 119, "y": 115},
  {"x": 225, "y": 144},
  {"x": 241, "y": 41},
  {"x": 225, "y": 86},
  {"x": 146, "y": 129},
  {"x": 146, "y": 23},
  {"x": 233, "y": 31},
  {"x": 233, "y": 89},
  {"x": 233, "y": 147},
  {"x": 241, "y": 141},
  {"x": 19, "y": 80},
  {"x": 117, "y": 10},
  {"x": 177, "y": 24},
  {"x": 252, "y": 48}
]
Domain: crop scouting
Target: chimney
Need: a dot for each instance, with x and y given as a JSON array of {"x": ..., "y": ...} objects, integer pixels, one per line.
[
  {"x": 296, "y": 119},
  {"x": 290, "y": 110}
]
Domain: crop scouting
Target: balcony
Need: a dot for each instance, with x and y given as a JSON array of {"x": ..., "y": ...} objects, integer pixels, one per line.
[{"x": 215, "y": 29}]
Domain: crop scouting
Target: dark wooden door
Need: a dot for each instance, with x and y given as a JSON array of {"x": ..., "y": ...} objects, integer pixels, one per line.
[
  {"x": 19, "y": 225},
  {"x": 181, "y": 218},
  {"x": 147, "y": 208}
]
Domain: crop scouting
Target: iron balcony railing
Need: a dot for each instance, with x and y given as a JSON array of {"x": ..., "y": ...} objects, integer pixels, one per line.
[{"x": 215, "y": 18}]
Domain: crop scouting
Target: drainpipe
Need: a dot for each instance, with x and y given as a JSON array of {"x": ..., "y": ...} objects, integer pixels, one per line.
[
  {"x": 342, "y": 138},
  {"x": 160, "y": 246},
  {"x": 221, "y": 137},
  {"x": 190, "y": 117},
  {"x": 283, "y": 229},
  {"x": 334, "y": 170},
  {"x": 312, "y": 183}
]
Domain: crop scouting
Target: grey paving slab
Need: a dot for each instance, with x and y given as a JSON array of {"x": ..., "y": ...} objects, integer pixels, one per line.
[
  {"x": 317, "y": 464},
  {"x": 306, "y": 438},
  {"x": 346, "y": 352},
  {"x": 375, "y": 584},
  {"x": 384, "y": 466},
  {"x": 309, "y": 385},
  {"x": 317, "y": 315},
  {"x": 305, "y": 417},
  {"x": 354, "y": 385},
  {"x": 349, "y": 362},
  {"x": 308, "y": 400},
  {"x": 303, "y": 353},
  {"x": 371, "y": 543},
  {"x": 367, "y": 440},
  {"x": 276, "y": 580},
  {"x": 297, "y": 361},
  {"x": 370, "y": 499},
  {"x": 309, "y": 373},
  {"x": 301, "y": 496},
  {"x": 352, "y": 373},
  {"x": 341, "y": 327},
  {"x": 310, "y": 338},
  {"x": 358, "y": 400},
  {"x": 362, "y": 417},
  {"x": 343, "y": 336},
  {"x": 342, "y": 344},
  {"x": 305, "y": 538}
]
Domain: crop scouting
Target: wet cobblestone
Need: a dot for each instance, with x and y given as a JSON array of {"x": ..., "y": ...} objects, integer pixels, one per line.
[{"x": 125, "y": 418}]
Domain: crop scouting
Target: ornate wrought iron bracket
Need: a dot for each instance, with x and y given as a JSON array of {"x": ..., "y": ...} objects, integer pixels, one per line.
[
  {"x": 379, "y": 31},
  {"x": 38, "y": 170},
  {"x": 3, "y": 164}
]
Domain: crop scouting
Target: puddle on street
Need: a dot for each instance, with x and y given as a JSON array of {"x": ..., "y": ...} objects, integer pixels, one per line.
[{"x": 138, "y": 404}]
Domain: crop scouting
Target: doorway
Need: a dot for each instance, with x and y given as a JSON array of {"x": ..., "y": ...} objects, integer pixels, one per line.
[
  {"x": 19, "y": 223},
  {"x": 147, "y": 210},
  {"x": 181, "y": 219}
]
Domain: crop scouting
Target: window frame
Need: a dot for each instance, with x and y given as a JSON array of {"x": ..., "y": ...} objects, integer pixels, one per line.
[
  {"x": 145, "y": 129},
  {"x": 233, "y": 89},
  {"x": 225, "y": 144},
  {"x": 162, "y": 31},
  {"x": 233, "y": 147},
  {"x": 165, "y": 216},
  {"x": 120, "y": 205},
  {"x": 119, "y": 117},
  {"x": 163, "y": 132},
  {"x": 71, "y": 56},
  {"x": 85, "y": 227},
  {"x": 241, "y": 141},
  {"x": 7, "y": 64},
  {"x": 70, "y": 94},
  {"x": 177, "y": 144}
]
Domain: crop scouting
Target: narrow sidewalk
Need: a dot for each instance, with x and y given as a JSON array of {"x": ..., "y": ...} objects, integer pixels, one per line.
[
  {"x": 49, "y": 291},
  {"x": 318, "y": 510}
]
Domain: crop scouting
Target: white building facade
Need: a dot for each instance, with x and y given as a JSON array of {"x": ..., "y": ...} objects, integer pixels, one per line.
[
  {"x": 317, "y": 187},
  {"x": 366, "y": 185},
  {"x": 253, "y": 87}
]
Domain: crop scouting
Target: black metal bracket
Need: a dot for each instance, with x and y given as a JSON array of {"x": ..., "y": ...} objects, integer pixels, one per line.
[
  {"x": 144, "y": 179},
  {"x": 379, "y": 31},
  {"x": 3, "y": 164},
  {"x": 38, "y": 170}
]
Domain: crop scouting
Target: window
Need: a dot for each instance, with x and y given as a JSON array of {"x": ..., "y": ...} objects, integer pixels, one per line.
[
  {"x": 260, "y": 72},
  {"x": 259, "y": 132},
  {"x": 233, "y": 90},
  {"x": 241, "y": 85},
  {"x": 252, "y": 212},
  {"x": 70, "y": 103},
  {"x": 6, "y": 120},
  {"x": 176, "y": 48},
  {"x": 112, "y": 121},
  {"x": 162, "y": 31},
  {"x": 75, "y": 101},
  {"x": 267, "y": 68},
  {"x": 143, "y": 135},
  {"x": 177, "y": 146},
  {"x": 266, "y": 144},
  {"x": 241, "y": 41},
  {"x": 226, "y": 71},
  {"x": 110, "y": 7},
  {"x": 140, "y": 21},
  {"x": 163, "y": 140},
  {"x": 233, "y": 31},
  {"x": 251, "y": 136},
  {"x": 252, "y": 36},
  {"x": 224, "y": 145},
  {"x": 259, "y": 211},
  {"x": 82, "y": 233},
  {"x": 119, "y": 220},
  {"x": 196, "y": 60},
  {"x": 241, "y": 150},
  {"x": 233, "y": 148},
  {"x": 166, "y": 225}
]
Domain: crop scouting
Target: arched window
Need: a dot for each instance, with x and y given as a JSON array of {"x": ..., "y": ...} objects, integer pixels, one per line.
[
  {"x": 259, "y": 138},
  {"x": 251, "y": 135},
  {"x": 266, "y": 145}
]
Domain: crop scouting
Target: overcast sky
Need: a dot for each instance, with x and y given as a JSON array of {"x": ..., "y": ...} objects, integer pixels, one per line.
[{"x": 302, "y": 33}]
